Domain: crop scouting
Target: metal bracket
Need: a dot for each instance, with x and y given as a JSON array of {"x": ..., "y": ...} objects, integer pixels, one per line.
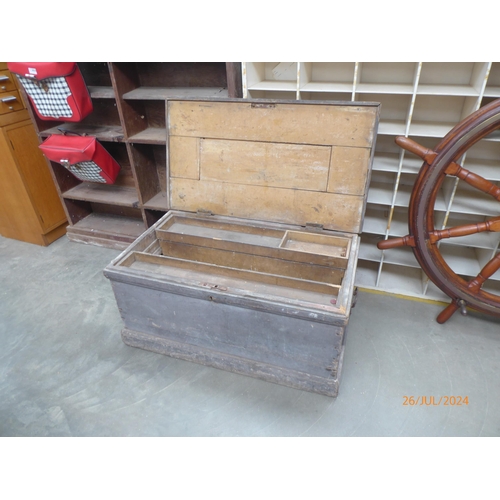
[
  {"x": 202, "y": 211},
  {"x": 333, "y": 368},
  {"x": 354, "y": 297},
  {"x": 313, "y": 226}
]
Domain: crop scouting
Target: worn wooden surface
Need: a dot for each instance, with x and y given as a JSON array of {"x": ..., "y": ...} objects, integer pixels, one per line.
[
  {"x": 249, "y": 260},
  {"x": 248, "y": 237},
  {"x": 272, "y": 161},
  {"x": 288, "y": 350},
  {"x": 216, "y": 358},
  {"x": 31, "y": 210},
  {"x": 248, "y": 288},
  {"x": 293, "y": 206},
  {"x": 320, "y": 124}
]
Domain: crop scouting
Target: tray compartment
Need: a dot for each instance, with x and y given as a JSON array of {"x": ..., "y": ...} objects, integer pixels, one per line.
[
  {"x": 259, "y": 240},
  {"x": 316, "y": 244}
]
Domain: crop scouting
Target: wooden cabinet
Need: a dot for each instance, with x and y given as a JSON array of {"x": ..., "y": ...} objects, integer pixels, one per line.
[
  {"x": 129, "y": 119},
  {"x": 31, "y": 210}
]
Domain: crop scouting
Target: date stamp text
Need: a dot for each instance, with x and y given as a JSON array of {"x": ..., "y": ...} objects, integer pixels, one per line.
[{"x": 435, "y": 400}]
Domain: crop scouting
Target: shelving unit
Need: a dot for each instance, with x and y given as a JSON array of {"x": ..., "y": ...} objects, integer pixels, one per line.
[
  {"x": 129, "y": 119},
  {"x": 423, "y": 101}
]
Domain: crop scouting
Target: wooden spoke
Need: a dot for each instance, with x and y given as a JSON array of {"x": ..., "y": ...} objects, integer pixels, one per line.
[
  {"x": 492, "y": 225},
  {"x": 447, "y": 313},
  {"x": 486, "y": 272},
  {"x": 428, "y": 155},
  {"x": 474, "y": 180},
  {"x": 396, "y": 242}
]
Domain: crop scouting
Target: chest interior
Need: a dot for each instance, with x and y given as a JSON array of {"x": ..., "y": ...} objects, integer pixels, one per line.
[{"x": 266, "y": 199}]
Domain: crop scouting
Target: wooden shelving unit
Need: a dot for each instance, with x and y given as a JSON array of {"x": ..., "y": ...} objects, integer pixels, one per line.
[
  {"x": 129, "y": 101},
  {"x": 423, "y": 101}
]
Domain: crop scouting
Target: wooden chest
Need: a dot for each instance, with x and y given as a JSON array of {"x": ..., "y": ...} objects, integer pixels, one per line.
[{"x": 252, "y": 270}]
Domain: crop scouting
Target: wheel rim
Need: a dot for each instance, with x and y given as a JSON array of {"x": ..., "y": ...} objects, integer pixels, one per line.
[{"x": 422, "y": 205}]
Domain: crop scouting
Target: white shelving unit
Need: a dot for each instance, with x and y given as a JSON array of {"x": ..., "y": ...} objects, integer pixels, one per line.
[{"x": 423, "y": 101}]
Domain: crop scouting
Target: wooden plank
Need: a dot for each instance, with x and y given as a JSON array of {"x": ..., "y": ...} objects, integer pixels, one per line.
[
  {"x": 335, "y": 211},
  {"x": 320, "y": 124},
  {"x": 246, "y": 260},
  {"x": 169, "y": 265},
  {"x": 100, "y": 92},
  {"x": 348, "y": 170},
  {"x": 158, "y": 202},
  {"x": 145, "y": 168},
  {"x": 316, "y": 244},
  {"x": 294, "y": 166},
  {"x": 106, "y": 225},
  {"x": 298, "y": 378},
  {"x": 249, "y": 238},
  {"x": 184, "y": 155},
  {"x": 164, "y": 93},
  {"x": 234, "y": 79},
  {"x": 103, "y": 193},
  {"x": 213, "y": 226},
  {"x": 257, "y": 248},
  {"x": 150, "y": 136},
  {"x": 102, "y": 133}
]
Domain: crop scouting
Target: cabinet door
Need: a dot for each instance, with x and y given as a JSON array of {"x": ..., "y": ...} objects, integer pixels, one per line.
[
  {"x": 17, "y": 216},
  {"x": 36, "y": 176}
]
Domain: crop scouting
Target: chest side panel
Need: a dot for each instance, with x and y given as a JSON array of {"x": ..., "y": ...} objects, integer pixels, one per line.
[{"x": 277, "y": 162}]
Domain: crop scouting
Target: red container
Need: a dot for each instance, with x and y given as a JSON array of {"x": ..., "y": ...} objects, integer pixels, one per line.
[
  {"x": 57, "y": 91},
  {"x": 84, "y": 157}
]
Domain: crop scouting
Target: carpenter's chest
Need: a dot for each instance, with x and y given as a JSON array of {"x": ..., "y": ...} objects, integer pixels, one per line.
[{"x": 252, "y": 269}]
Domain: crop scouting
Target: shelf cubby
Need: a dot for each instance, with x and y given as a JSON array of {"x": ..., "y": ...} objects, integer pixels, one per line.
[
  {"x": 326, "y": 77},
  {"x": 271, "y": 76},
  {"x": 452, "y": 78},
  {"x": 386, "y": 78},
  {"x": 323, "y": 96}
]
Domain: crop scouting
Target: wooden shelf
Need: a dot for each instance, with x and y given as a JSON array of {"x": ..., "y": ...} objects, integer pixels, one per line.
[
  {"x": 108, "y": 230},
  {"x": 150, "y": 136},
  {"x": 106, "y": 133},
  {"x": 158, "y": 93},
  {"x": 157, "y": 202},
  {"x": 103, "y": 193},
  {"x": 100, "y": 92}
]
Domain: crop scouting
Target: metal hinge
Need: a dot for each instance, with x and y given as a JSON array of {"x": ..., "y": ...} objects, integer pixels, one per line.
[
  {"x": 312, "y": 226},
  {"x": 202, "y": 211}
]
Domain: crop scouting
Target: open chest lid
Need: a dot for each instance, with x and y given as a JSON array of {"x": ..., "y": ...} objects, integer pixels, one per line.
[{"x": 299, "y": 162}]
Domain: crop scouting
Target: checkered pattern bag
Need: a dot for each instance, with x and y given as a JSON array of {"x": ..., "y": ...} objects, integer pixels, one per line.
[
  {"x": 57, "y": 91},
  {"x": 84, "y": 157}
]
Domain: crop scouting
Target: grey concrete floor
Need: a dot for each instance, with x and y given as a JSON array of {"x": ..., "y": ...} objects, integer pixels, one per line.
[{"x": 64, "y": 370}]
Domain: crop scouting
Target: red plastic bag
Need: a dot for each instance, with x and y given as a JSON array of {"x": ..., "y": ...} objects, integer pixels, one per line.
[
  {"x": 84, "y": 157},
  {"x": 57, "y": 91}
]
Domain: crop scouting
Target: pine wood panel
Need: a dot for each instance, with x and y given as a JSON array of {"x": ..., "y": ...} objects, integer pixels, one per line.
[
  {"x": 301, "y": 124},
  {"x": 272, "y": 161},
  {"x": 185, "y": 157},
  {"x": 348, "y": 172},
  {"x": 293, "y": 206},
  {"x": 293, "y": 166}
]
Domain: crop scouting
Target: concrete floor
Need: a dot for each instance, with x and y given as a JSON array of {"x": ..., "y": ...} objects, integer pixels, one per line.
[{"x": 64, "y": 370}]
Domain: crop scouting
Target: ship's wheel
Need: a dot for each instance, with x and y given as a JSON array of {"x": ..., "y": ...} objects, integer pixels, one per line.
[{"x": 423, "y": 236}]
